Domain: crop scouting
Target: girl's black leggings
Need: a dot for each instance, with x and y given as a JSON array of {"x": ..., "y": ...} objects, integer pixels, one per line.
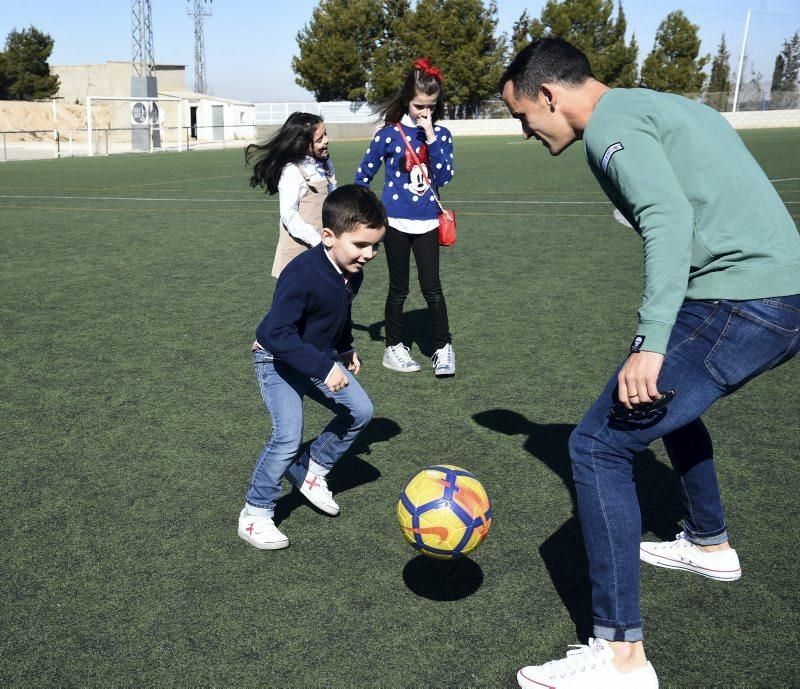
[{"x": 398, "y": 246}]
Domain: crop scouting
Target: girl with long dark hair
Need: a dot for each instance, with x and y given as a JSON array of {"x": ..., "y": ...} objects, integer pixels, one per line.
[
  {"x": 295, "y": 164},
  {"x": 408, "y": 194}
]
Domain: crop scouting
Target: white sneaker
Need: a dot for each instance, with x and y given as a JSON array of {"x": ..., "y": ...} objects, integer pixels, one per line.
[
  {"x": 397, "y": 358},
  {"x": 444, "y": 362},
  {"x": 261, "y": 532},
  {"x": 586, "y": 667},
  {"x": 722, "y": 565},
  {"x": 315, "y": 488}
]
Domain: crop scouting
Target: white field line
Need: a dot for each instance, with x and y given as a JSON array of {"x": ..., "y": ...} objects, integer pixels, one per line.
[{"x": 480, "y": 202}]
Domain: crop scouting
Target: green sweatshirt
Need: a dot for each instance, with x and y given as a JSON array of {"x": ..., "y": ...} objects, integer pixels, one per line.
[{"x": 712, "y": 223}]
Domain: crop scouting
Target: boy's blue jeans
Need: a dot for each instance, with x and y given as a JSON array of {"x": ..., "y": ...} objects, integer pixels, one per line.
[
  {"x": 283, "y": 389},
  {"x": 715, "y": 347}
]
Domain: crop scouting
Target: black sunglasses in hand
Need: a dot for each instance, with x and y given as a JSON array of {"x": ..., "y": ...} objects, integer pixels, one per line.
[{"x": 641, "y": 411}]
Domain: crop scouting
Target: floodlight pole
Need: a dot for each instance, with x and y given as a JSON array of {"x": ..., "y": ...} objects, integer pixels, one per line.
[{"x": 741, "y": 62}]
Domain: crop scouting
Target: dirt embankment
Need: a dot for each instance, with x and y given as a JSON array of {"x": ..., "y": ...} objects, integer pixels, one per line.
[{"x": 34, "y": 121}]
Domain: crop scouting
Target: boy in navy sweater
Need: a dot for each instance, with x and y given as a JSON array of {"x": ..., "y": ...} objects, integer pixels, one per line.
[{"x": 304, "y": 346}]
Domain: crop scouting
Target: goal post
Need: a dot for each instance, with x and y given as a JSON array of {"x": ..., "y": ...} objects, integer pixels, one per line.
[{"x": 161, "y": 117}]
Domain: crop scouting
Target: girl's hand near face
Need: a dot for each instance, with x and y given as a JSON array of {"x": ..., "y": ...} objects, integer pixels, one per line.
[{"x": 425, "y": 123}]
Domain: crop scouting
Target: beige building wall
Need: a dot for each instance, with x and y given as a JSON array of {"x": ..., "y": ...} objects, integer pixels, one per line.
[{"x": 110, "y": 79}]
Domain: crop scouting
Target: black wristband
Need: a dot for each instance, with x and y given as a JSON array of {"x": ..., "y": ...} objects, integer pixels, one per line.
[{"x": 636, "y": 345}]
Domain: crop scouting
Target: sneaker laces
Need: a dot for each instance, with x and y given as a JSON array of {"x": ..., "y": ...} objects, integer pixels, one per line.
[
  {"x": 444, "y": 356},
  {"x": 579, "y": 659},
  {"x": 681, "y": 541},
  {"x": 401, "y": 352}
]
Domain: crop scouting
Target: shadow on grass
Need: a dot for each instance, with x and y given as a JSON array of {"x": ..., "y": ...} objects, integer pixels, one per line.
[
  {"x": 563, "y": 552},
  {"x": 417, "y": 330},
  {"x": 442, "y": 580},
  {"x": 350, "y": 471}
]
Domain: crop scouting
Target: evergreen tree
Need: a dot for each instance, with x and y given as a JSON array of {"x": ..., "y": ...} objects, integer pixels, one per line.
[
  {"x": 24, "y": 72},
  {"x": 521, "y": 32},
  {"x": 395, "y": 52},
  {"x": 720, "y": 82},
  {"x": 459, "y": 36},
  {"x": 337, "y": 47},
  {"x": 674, "y": 63},
  {"x": 784, "y": 88},
  {"x": 588, "y": 25}
]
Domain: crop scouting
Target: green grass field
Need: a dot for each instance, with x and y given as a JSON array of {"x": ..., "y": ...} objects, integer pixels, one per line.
[{"x": 130, "y": 291}]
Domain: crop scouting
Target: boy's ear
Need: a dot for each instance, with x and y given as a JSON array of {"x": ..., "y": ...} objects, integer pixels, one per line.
[
  {"x": 549, "y": 94},
  {"x": 328, "y": 237}
]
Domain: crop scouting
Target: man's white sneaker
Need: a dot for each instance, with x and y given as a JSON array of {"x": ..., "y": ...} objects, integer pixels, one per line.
[
  {"x": 722, "y": 565},
  {"x": 397, "y": 358},
  {"x": 586, "y": 667},
  {"x": 315, "y": 488},
  {"x": 261, "y": 532},
  {"x": 444, "y": 362}
]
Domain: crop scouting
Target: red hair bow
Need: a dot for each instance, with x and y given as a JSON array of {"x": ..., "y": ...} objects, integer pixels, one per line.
[{"x": 424, "y": 64}]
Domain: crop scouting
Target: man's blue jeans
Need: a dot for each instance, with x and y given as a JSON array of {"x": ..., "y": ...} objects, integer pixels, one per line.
[
  {"x": 283, "y": 389},
  {"x": 715, "y": 348}
]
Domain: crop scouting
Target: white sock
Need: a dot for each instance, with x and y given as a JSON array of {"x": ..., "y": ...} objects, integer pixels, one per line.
[{"x": 257, "y": 511}]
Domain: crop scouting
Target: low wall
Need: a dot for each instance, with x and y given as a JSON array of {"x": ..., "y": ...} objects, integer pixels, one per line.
[{"x": 763, "y": 119}]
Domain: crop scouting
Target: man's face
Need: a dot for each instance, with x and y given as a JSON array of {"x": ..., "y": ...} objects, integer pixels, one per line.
[
  {"x": 540, "y": 118},
  {"x": 353, "y": 250}
]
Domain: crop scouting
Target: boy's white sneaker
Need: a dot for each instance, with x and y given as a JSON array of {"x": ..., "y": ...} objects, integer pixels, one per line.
[
  {"x": 722, "y": 565},
  {"x": 586, "y": 667},
  {"x": 444, "y": 362},
  {"x": 261, "y": 532},
  {"x": 397, "y": 358},
  {"x": 315, "y": 488}
]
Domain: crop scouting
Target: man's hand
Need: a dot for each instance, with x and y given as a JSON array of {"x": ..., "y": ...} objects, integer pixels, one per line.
[
  {"x": 337, "y": 380},
  {"x": 352, "y": 362},
  {"x": 638, "y": 377}
]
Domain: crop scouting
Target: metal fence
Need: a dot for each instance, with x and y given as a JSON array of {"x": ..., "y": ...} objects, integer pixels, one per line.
[{"x": 37, "y": 144}]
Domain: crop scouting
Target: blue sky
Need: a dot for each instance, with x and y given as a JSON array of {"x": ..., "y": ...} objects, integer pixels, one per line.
[{"x": 250, "y": 43}]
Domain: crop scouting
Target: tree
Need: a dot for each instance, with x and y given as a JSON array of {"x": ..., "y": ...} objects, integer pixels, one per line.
[
  {"x": 783, "y": 92},
  {"x": 520, "y": 32},
  {"x": 336, "y": 49},
  {"x": 459, "y": 36},
  {"x": 24, "y": 72},
  {"x": 588, "y": 25},
  {"x": 395, "y": 52},
  {"x": 673, "y": 64},
  {"x": 720, "y": 82}
]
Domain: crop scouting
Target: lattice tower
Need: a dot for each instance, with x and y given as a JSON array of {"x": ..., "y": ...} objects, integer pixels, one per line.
[
  {"x": 142, "y": 25},
  {"x": 199, "y": 12}
]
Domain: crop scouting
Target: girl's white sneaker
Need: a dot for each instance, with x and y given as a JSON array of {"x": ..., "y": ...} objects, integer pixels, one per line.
[
  {"x": 397, "y": 358},
  {"x": 444, "y": 362}
]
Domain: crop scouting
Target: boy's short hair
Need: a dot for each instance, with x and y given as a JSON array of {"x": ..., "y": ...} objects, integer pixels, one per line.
[
  {"x": 546, "y": 60},
  {"x": 351, "y": 205}
]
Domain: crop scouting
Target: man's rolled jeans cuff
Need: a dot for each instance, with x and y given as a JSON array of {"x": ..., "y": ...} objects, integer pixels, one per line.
[
  {"x": 710, "y": 538},
  {"x": 608, "y": 630},
  {"x": 261, "y": 511}
]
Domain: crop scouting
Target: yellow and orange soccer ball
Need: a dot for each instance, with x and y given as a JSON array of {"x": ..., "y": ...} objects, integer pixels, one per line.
[{"x": 444, "y": 512}]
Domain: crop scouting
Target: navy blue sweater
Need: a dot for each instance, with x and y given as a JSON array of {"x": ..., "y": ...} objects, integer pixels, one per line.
[{"x": 309, "y": 322}]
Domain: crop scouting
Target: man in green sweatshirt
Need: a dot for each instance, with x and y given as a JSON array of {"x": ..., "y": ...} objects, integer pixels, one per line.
[{"x": 721, "y": 305}]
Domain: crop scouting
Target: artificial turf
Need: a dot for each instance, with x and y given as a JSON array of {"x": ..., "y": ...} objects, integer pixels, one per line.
[{"x": 129, "y": 294}]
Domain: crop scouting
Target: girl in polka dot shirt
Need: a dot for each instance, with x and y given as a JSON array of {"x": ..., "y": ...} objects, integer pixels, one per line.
[{"x": 412, "y": 208}]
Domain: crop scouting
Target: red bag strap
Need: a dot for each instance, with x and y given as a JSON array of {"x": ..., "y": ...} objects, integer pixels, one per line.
[{"x": 416, "y": 161}]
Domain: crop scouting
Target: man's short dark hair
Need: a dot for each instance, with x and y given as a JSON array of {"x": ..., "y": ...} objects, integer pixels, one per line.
[
  {"x": 351, "y": 205},
  {"x": 546, "y": 60}
]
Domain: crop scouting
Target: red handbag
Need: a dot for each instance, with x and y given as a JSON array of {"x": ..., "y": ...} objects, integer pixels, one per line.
[{"x": 447, "y": 218}]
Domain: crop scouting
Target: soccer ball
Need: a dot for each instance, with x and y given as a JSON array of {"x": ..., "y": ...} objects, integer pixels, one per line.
[{"x": 444, "y": 512}]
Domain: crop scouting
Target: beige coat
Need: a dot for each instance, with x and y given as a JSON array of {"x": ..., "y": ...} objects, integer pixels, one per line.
[{"x": 310, "y": 211}]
